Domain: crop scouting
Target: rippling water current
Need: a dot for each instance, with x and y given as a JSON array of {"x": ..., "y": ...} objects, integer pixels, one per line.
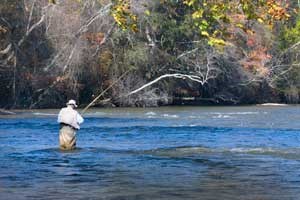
[{"x": 158, "y": 153}]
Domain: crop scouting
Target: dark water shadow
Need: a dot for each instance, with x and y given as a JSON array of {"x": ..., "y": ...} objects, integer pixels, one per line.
[{"x": 57, "y": 150}]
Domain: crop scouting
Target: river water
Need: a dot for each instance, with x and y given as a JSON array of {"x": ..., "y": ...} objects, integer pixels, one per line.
[{"x": 155, "y": 153}]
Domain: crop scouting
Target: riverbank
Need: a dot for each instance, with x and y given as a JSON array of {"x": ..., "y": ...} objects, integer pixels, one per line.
[{"x": 186, "y": 102}]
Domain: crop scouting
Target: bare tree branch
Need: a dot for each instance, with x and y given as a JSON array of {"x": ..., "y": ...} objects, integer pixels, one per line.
[
  {"x": 100, "y": 13},
  {"x": 177, "y": 75},
  {"x": 31, "y": 29},
  {"x": 6, "y": 50},
  {"x": 186, "y": 53},
  {"x": 53, "y": 60},
  {"x": 30, "y": 15},
  {"x": 151, "y": 42},
  {"x": 69, "y": 58}
]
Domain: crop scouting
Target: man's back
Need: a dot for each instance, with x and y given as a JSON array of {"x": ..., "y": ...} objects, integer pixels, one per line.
[
  {"x": 70, "y": 116},
  {"x": 69, "y": 120}
]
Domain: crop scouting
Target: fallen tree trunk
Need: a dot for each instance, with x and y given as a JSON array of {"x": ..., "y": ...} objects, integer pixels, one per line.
[{"x": 6, "y": 112}]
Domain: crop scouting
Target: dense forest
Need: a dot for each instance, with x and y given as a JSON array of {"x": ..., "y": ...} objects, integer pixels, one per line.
[{"x": 148, "y": 52}]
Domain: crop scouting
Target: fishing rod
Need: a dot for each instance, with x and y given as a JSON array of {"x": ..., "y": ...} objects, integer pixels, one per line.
[{"x": 103, "y": 92}]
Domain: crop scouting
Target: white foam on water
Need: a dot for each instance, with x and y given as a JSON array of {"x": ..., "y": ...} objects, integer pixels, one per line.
[
  {"x": 150, "y": 113},
  {"x": 97, "y": 113},
  {"x": 196, "y": 117},
  {"x": 193, "y": 125},
  {"x": 243, "y": 113},
  {"x": 170, "y": 116},
  {"x": 235, "y": 113},
  {"x": 44, "y": 114},
  {"x": 220, "y": 116}
]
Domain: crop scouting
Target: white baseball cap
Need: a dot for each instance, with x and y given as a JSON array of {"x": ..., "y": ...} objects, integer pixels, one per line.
[{"x": 72, "y": 102}]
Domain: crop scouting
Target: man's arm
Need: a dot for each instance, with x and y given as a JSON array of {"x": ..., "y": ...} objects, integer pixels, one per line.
[
  {"x": 59, "y": 116},
  {"x": 79, "y": 119}
]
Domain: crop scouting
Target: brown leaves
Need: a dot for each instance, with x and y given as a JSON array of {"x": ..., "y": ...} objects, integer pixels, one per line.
[
  {"x": 94, "y": 38},
  {"x": 3, "y": 30},
  {"x": 278, "y": 11},
  {"x": 238, "y": 13},
  {"x": 52, "y": 1},
  {"x": 255, "y": 61}
]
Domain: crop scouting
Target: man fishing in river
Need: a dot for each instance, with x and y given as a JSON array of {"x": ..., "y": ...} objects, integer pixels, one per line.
[{"x": 69, "y": 120}]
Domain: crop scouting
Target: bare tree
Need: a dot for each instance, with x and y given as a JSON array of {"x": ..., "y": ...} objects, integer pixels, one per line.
[
  {"x": 76, "y": 31},
  {"x": 33, "y": 17}
]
